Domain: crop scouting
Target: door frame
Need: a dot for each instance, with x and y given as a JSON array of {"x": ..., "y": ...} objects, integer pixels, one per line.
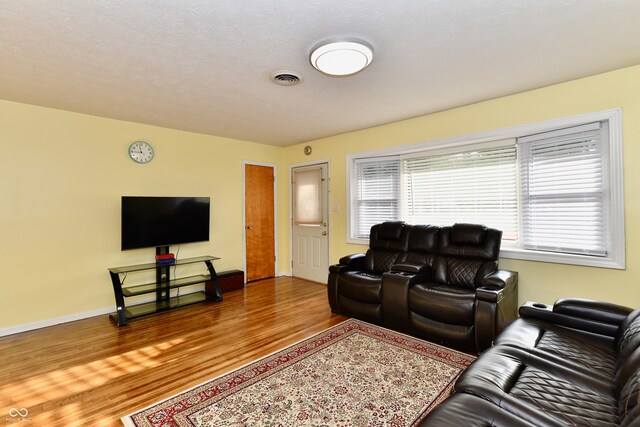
[
  {"x": 275, "y": 215},
  {"x": 291, "y": 168}
]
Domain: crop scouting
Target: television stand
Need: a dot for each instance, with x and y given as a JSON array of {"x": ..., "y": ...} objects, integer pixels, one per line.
[{"x": 162, "y": 288}]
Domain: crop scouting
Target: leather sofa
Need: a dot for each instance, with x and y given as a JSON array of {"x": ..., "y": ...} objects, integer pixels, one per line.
[
  {"x": 438, "y": 283},
  {"x": 576, "y": 363}
]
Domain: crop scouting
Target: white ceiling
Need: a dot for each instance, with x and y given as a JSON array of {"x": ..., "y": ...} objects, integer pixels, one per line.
[{"x": 205, "y": 66}]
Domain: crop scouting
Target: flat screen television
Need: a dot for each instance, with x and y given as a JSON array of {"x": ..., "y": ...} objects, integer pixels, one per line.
[{"x": 162, "y": 221}]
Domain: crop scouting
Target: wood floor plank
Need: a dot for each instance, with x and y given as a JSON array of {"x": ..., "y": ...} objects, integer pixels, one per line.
[{"x": 90, "y": 372}]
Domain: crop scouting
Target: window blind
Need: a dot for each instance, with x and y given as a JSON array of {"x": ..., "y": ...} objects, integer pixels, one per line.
[
  {"x": 377, "y": 191},
  {"x": 474, "y": 186},
  {"x": 307, "y": 196},
  {"x": 563, "y": 196}
]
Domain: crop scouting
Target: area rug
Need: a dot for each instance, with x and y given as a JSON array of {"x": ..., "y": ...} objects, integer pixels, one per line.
[{"x": 353, "y": 374}]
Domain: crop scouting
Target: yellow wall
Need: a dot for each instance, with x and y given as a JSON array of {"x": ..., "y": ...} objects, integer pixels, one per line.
[
  {"x": 538, "y": 281},
  {"x": 62, "y": 175},
  {"x": 61, "y": 178}
]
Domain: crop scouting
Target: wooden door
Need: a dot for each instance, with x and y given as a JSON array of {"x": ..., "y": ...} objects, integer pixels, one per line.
[{"x": 259, "y": 222}]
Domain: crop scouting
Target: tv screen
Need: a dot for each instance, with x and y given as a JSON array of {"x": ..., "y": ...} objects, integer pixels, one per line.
[{"x": 163, "y": 221}]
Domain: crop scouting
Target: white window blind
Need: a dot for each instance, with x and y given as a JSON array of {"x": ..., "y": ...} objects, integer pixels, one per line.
[
  {"x": 376, "y": 193},
  {"x": 563, "y": 190},
  {"x": 307, "y": 196},
  {"x": 474, "y": 186}
]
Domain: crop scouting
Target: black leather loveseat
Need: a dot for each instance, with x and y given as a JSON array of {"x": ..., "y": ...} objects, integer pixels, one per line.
[
  {"x": 438, "y": 283},
  {"x": 574, "y": 364}
]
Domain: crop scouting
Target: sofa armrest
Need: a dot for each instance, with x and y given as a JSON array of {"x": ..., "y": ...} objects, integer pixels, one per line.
[
  {"x": 352, "y": 259},
  {"x": 348, "y": 263},
  {"x": 593, "y": 310},
  {"x": 500, "y": 279},
  {"x": 395, "y": 293},
  {"x": 496, "y": 285},
  {"x": 496, "y": 306},
  {"x": 584, "y": 315},
  {"x": 411, "y": 268}
]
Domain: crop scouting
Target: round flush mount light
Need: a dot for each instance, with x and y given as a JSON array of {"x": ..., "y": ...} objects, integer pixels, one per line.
[{"x": 341, "y": 58}]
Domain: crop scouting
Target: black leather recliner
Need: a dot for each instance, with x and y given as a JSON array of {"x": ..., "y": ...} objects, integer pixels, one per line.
[
  {"x": 355, "y": 285},
  {"x": 457, "y": 306},
  {"x": 576, "y": 363},
  {"x": 438, "y": 283}
]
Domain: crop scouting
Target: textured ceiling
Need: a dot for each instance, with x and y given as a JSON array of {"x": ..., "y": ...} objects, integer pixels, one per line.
[{"x": 204, "y": 66}]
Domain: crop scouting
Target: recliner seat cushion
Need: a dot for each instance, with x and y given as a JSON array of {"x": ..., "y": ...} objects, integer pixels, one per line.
[
  {"x": 566, "y": 400},
  {"x": 447, "y": 304},
  {"x": 532, "y": 386},
  {"x": 361, "y": 286},
  {"x": 460, "y": 337},
  {"x": 466, "y": 410}
]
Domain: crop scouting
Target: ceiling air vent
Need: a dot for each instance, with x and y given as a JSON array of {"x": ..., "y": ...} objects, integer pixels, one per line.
[{"x": 286, "y": 78}]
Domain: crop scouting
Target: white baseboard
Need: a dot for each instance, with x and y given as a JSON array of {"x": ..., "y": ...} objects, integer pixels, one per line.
[
  {"x": 79, "y": 316},
  {"x": 55, "y": 321},
  {"x": 283, "y": 273}
]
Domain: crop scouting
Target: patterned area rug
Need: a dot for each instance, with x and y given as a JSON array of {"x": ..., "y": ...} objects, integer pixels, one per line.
[{"x": 353, "y": 374}]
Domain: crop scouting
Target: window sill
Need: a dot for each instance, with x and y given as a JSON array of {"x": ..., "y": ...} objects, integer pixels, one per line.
[
  {"x": 540, "y": 256},
  {"x": 561, "y": 258}
]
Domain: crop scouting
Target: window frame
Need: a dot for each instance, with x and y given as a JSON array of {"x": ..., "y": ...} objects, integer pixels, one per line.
[{"x": 615, "y": 258}]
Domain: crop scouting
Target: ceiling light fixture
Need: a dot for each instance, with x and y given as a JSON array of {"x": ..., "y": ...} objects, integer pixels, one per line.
[{"x": 341, "y": 58}]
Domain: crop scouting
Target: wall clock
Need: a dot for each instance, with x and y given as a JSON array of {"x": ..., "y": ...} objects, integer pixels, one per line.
[{"x": 141, "y": 152}]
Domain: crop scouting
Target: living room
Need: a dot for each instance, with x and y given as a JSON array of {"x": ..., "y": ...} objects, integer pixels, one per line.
[{"x": 64, "y": 172}]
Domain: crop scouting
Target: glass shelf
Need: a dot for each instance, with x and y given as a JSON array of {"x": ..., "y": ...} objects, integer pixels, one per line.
[
  {"x": 152, "y": 287},
  {"x": 154, "y": 307},
  {"x": 152, "y": 265}
]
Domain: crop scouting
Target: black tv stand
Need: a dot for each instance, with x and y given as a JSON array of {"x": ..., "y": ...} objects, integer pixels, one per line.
[{"x": 162, "y": 287}]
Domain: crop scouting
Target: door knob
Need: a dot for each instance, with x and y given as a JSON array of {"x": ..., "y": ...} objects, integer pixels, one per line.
[
  {"x": 324, "y": 233},
  {"x": 249, "y": 227}
]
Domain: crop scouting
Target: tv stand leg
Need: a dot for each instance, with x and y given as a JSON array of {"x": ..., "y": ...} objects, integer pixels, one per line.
[
  {"x": 121, "y": 315},
  {"x": 216, "y": 295},
  {"x": 163, "y": 293}
]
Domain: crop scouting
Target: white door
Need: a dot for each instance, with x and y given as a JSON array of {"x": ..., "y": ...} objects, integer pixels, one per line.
[{"x": 310, "y": 243}]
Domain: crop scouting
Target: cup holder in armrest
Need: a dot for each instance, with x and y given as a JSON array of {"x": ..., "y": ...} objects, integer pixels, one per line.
[
  {"x": 399, "y": 273},
  {"x": 537, "y": 306}
]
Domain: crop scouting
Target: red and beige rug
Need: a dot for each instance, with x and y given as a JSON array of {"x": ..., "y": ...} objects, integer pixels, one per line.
[{"x": 353, "y": 374}]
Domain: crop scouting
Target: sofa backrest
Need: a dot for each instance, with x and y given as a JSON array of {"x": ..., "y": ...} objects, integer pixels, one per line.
[
  {"x": 627, "y": 385},
  {"x": 387, "y": 242},
  {"x": 466, "y": 254},
  {"x": 628, "y": 338},
  {"x": 423, "y": 245},
  {"x": 627, "y": 369}
]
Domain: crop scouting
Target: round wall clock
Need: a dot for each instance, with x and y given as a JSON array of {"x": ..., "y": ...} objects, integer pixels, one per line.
[{"x": 141, "y": 152}]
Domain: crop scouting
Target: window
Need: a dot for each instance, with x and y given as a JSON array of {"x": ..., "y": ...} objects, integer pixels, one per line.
[
  {"x": 377, "y": 193},
  {"x": 563, "y": 194},
  {"x": 307, "y": 196},
  {"x": 553, "y": 188},
  {"x": 477, "y": 185}
]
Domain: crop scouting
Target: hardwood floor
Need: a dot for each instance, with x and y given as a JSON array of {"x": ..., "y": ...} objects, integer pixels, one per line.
[{"x": 90, "y": 372}]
